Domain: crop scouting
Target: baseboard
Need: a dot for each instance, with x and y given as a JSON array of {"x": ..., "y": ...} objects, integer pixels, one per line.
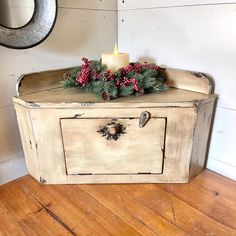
[
  {"x": 222, "y": 168},
  {"x": 12, "y": 169}
]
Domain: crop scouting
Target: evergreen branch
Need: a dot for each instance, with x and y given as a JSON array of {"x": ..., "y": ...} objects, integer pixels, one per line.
[{"x": 133, "y": 79}]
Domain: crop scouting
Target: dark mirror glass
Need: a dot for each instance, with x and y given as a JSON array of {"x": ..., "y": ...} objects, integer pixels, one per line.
[{"x": 16, "y": 13}]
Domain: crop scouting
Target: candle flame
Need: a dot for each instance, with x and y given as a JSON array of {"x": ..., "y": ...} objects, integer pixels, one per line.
[{"x": 116, "y": 52}]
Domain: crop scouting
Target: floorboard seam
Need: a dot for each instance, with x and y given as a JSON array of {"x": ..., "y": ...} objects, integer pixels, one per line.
[
  {"x": 196, "y": 209},
  {"x": 173, "y": 212},
  {"x": 54, "y": 216},
  {"x": 89, "y": 215},
  {"x": 113, "y": 212},
  {"x": 136, "y": 219}
]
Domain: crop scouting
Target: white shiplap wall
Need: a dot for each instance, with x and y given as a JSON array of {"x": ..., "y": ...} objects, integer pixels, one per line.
[
  {"x": 83, "y": 28},
  {"x": 196, "y": 35}
]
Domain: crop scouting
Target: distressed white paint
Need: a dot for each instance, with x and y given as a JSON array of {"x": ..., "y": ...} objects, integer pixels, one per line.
[
  {"x": 77, "y": 33},
  {"x": 200, "y": 38}
]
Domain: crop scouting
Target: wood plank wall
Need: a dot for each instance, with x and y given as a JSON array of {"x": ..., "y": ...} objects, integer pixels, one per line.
[
  {"x": 83, "y": 28},
  {"x": 196, "y": 35}
]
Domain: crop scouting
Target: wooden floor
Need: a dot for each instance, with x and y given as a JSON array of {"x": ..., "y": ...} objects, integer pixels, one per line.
[{"x": 206, "y": 206}]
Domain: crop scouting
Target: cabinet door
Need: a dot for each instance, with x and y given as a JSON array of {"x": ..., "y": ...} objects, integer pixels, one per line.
[{"x": 107, "y": 146}]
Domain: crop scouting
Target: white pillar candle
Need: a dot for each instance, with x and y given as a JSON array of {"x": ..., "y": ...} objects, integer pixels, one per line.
[{"x": 116, "y": 60}]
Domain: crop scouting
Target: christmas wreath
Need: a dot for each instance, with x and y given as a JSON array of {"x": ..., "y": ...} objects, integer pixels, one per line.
[{"x": 136, "y": 79}]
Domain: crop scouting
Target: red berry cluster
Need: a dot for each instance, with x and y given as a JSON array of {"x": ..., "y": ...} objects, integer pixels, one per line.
[
  {"x": 109, "y": 75},
  {"x": 132, "y": 67},
  {"x": 95, "y": 75},
  {"x": 137, "y": 67},
  {"x": 151, "y": 67},
  {"x": 83, "y": 77},
  {"x": 135, "y": 85},
  {"x": 125, "y": 81},
  {"x": 121, "y": 78}
]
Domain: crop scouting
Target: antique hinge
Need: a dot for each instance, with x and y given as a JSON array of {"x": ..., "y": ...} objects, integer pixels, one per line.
[
  {"x": 33, "y": 104},
  {"x": 42, "y": 180}
]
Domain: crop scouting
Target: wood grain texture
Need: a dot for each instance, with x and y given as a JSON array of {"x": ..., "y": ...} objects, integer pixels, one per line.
[
  {"x": 178, "y": 144},
  {"x": 201, "y": 138},
  {"x": 41, "y": 81},
  {"x": 138, "y": 150},
  {"x": 217, "y": 202},
  {"x": 53, "y": 98},
  {"x": 47, "y": 80},
  {"x": 188, "y": 80},
  {"x": 69, "y": 149},
  {"x": 28, "y": 141},
  {"x": 177, "y": 150},
  {"x": 206, "y": 206}
]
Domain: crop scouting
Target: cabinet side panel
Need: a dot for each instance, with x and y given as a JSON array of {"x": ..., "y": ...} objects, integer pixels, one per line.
[
  {"x": 46, "y": 124},
  {"x": 28, "y": 140},
  {"x": 179, "y": 143},
  {"x": 201, "y": 137}
]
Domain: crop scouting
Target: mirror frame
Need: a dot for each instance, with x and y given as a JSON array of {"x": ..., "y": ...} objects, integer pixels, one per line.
[{"x": 35, "y": 31}]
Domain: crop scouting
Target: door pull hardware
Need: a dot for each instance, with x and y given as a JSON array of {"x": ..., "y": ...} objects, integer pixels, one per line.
[{"x": 144, "y": 118}]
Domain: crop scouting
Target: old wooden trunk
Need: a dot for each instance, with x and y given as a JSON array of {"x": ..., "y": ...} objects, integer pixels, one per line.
[{"x": 68, "y": 135}]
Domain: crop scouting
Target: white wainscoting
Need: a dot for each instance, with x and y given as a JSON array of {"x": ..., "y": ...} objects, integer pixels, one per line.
[{"x": 12, "y": 169}]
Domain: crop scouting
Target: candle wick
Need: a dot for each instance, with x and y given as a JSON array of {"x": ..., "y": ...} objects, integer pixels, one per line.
[{"x": 116, "y": 52}]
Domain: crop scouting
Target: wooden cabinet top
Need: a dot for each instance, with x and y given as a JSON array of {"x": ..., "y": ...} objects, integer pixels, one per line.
[{"x": 45, "y": 90}]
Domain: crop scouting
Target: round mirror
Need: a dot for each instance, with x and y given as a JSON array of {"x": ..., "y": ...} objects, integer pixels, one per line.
[
  {"x": 26, "y": 23},
  {"x": 16, "y": 13}
]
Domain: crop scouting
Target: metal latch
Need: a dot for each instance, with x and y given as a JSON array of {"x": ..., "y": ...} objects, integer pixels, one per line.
[{"x": 144, "y": 118}]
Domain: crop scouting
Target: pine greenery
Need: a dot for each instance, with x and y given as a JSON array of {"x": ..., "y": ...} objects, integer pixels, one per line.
[{"x": 136, "y": 78}]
